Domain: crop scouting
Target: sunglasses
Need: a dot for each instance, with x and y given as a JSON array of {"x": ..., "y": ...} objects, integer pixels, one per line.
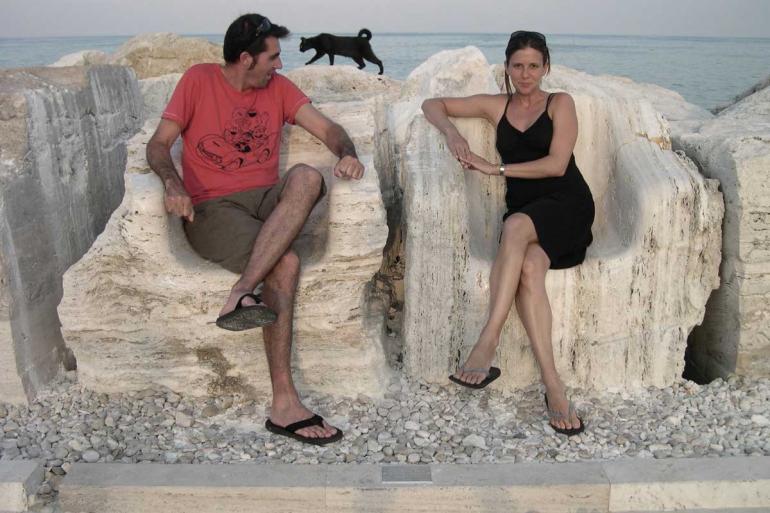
[
  {"x": 527, "y": 34},
  {"x": 262, "y": 28}
]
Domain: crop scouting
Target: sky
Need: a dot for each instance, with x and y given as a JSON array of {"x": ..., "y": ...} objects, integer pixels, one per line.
[{"x": 717, "y": 18}]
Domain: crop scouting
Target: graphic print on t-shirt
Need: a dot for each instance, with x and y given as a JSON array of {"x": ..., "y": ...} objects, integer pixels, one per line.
[{"x": 244, "y": 141}]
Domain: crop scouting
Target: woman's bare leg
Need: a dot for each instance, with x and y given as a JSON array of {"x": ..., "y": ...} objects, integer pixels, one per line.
[
  {"x": 535, "y": 314},
  {"x": 518, "y": 233}
]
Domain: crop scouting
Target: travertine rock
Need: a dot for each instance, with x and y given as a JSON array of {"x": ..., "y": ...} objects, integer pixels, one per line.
[
  {"x": 622, "y": 318},
  {"x": 735, "y": 149},
  {"x": 157, "y": 299},
  {"x": 681, "y": 116},
  {"x": 82, "y": 58},
  {"x": 156, "y": 92},
  {"x": 762, "y": 84},
  {"x": 62, "y": 155},
  {"x": 151, "y": 55}
]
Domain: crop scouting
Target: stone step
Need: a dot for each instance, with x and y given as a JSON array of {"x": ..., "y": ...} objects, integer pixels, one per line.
[
  {"x": 688, "y": 484},
  {"x": 602, "y": 487},
  {"x": 18, "y": 480},
  {"x": 721, "y": 510},
  {"x": 728, "y": 510}
]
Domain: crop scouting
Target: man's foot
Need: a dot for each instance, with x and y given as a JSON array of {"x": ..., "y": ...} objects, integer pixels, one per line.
[
  {"x": 284, "y": 417},
  {"x": 249, "y": 312},
  {"x": 232, "y": 300},
  {"x": 562, "y": 415},
  {"x": 476, "y": 367}
]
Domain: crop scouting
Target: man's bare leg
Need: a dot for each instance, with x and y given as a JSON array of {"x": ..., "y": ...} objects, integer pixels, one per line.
[
  {"x": 297, "y": 199},
  {"x": 278, "y": 294},
  {"x": 535, "y": 314}
]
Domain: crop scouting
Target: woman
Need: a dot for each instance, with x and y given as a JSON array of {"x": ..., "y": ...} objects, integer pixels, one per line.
[{"x": 549, "y": 209}]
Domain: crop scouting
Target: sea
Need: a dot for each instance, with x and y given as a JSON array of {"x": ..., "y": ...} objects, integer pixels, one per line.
[{"x": 706, "y": 71}]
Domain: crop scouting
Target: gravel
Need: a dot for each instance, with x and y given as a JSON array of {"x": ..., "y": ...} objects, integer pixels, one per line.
[{"x": 413, "y": 422}]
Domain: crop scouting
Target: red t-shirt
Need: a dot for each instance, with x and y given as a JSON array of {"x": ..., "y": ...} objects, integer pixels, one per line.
[{"x": 231, "y": 138}]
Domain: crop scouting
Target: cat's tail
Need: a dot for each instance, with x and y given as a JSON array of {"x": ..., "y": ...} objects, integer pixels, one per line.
[{"x": 365, "y": 33}]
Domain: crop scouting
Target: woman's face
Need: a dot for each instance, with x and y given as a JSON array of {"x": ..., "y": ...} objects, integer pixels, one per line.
[{"x": 526, "y": 70}]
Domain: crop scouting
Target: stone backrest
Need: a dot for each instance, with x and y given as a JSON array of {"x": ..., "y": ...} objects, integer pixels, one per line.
[
  {"x": 138, "y": 309},
  {"x": 622, "y": 318}
]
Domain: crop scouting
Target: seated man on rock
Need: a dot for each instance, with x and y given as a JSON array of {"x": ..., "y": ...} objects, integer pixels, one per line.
[{"x": 237, "y": 211}]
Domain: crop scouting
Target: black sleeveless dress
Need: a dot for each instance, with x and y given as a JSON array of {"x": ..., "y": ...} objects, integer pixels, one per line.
[{"x": 561, "y": 208}]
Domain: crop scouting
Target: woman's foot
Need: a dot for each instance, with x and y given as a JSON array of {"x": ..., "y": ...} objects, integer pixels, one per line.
[
  {"x": 561, "y": 413},
  {"x": 476, "y": 367}
]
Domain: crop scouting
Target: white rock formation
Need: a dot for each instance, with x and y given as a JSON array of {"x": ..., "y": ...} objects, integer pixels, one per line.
[
  {"x": 735, "y": 149},
  {"x": 151, "y": 55},
  {"x": 681, "y": 115},
  {"x": 762, "y": 84},
  {"x": 157, "y": 54},
  {"x": 156, "y": 299},
  {"x": 622, "y": 318},
  {"x": 62, "y": 154},
  {"x": 82, "y": 58}
]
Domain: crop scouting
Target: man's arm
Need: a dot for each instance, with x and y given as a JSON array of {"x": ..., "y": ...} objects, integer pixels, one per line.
[
  {"x": 334, "y": 137},
  {"x": 176, "y": 199}
]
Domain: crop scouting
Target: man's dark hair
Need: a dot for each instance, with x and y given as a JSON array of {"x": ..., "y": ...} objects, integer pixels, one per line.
[{"x": 244, "y": 35}]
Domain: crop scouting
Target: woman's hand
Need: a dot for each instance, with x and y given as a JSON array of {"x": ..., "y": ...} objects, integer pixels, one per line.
[
  {"x": 478, "y": 163},
  {"x": 459, "y": 147}
]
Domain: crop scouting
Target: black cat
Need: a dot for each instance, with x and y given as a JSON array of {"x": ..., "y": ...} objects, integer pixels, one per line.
[{"x": 357, "y": 48}]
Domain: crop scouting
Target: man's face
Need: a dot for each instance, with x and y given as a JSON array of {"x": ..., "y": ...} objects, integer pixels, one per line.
[{"x": 261, "y": 67}]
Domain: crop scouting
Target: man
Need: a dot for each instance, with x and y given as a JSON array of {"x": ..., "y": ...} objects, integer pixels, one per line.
[{"x": 236, "y": 210}]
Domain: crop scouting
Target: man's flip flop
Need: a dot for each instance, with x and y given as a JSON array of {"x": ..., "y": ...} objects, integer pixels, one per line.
[
  {"x": 555, "y": 415},
  {"x": 492, "y": 374},
  {"x": 247, "y": 317},
  {"x": 291, "y": 430}
]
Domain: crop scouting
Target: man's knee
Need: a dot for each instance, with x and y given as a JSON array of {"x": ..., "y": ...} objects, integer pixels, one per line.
[{"x": 305, "y": 177}]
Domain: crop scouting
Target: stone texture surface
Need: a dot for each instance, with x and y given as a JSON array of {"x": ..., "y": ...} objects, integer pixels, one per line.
[
  {"x": 18, "y": 480},
  {"x": 156, "y": 92},
  {"x": 61, "y": 160},
  {"x": 151, "y": 54},
  {"x": 82, "y": 58},
  {"x": 748, "y": 92},
  {"x": 735, "y": 149},
  {"x": 680, "y": 115},
  {"x": 622, "y": 318},
  {"x": 155, "y": 54},
  {"x": 157, "y": 299}
]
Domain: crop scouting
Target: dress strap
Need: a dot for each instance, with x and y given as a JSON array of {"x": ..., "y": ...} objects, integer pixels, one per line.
[{"x": 548, "y": 100}]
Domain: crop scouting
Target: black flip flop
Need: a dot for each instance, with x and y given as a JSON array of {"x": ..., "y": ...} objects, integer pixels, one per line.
[
  {"x": 291, "y": 430},
  {"x": 492, "y": 374},
  {"x": 552, "y": 414},
  {"x": 247, "y": 317}
]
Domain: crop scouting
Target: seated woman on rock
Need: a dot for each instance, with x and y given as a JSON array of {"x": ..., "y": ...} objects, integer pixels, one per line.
[{"x": 549, "y": 209}]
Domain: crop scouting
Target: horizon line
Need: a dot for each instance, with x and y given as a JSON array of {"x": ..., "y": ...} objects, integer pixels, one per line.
[{"x": 187, "y": 34}]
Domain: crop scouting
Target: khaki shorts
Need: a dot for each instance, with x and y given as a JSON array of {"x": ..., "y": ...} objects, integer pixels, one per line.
[{"x": 224, "y": 229}]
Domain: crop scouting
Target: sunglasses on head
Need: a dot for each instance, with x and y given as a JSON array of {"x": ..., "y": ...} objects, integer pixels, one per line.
[
  {"x": 262, "y": 28},
  {"x": 528, "y": 34}
]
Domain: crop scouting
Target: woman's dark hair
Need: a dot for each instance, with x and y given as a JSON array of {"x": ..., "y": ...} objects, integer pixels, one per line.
[
  {"x": 525, "y": 39},
  {"x": 248, "y": 34}
]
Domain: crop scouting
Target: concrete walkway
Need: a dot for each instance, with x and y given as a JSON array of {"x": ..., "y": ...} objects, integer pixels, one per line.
[{"x": 707, "y": 485}]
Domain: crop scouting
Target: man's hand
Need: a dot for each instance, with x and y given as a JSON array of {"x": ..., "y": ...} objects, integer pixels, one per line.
[
  {"x": 177, "y": 200},
  {"x": 349, "y": 167}
]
